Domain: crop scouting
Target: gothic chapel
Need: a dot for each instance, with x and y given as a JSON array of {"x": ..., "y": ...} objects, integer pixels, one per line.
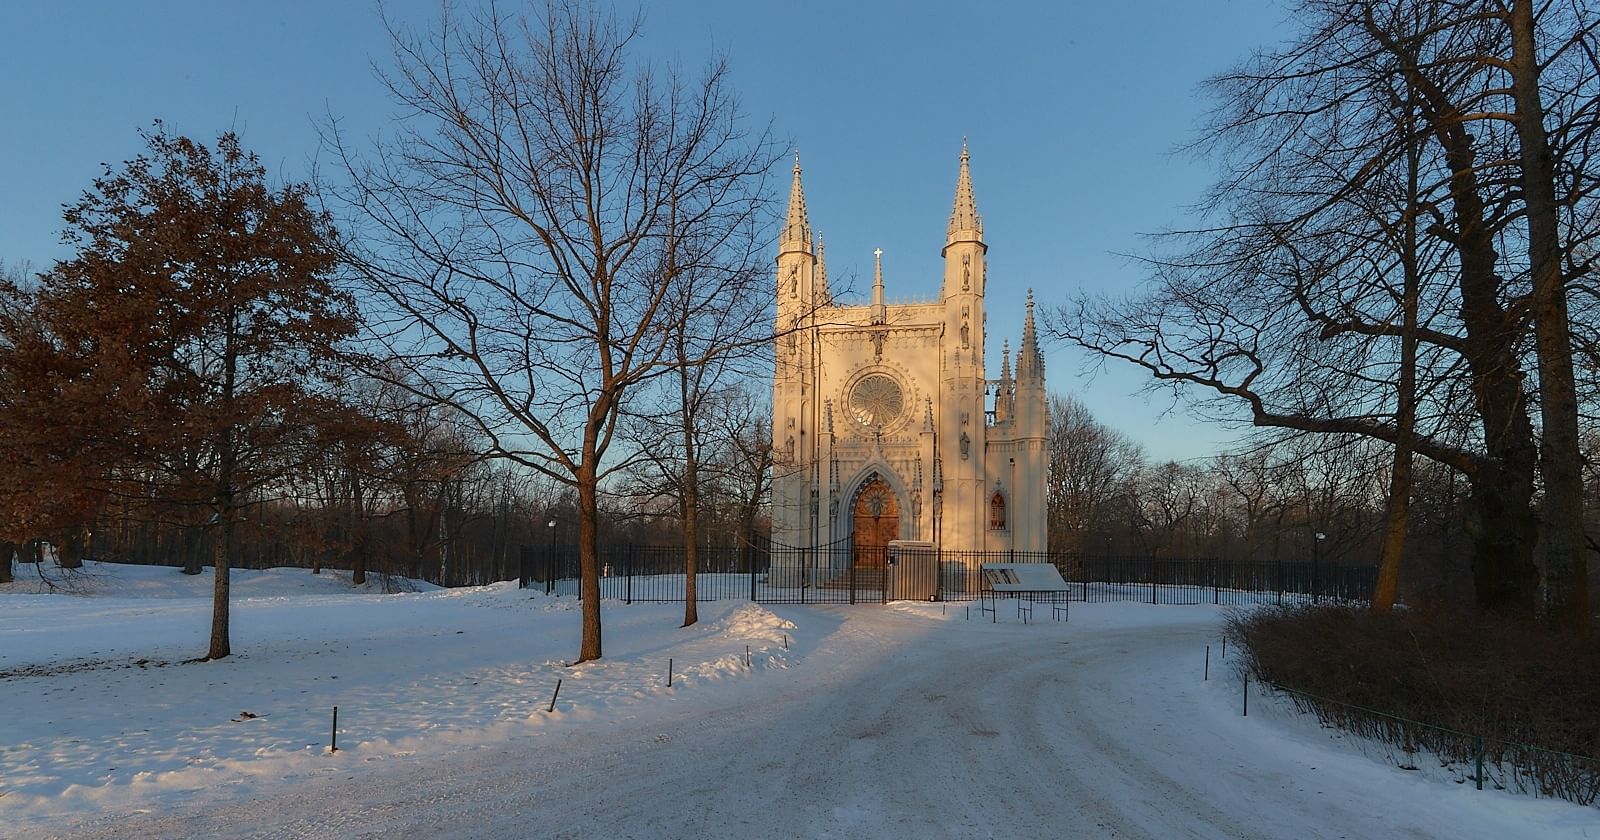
[{"x": 885, "y": 423}]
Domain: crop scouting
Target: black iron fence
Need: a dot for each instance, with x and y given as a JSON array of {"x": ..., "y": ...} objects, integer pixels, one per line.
[
  {"x": 840, "y": 573},
  {"x": 1452, "y": 755}
]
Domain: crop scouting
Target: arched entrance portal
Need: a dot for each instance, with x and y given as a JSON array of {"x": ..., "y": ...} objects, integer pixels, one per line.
[{"x": 876, "y": 515}]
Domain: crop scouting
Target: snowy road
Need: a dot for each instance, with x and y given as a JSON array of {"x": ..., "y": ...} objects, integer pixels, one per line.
[{"x": 899, "y": 724}]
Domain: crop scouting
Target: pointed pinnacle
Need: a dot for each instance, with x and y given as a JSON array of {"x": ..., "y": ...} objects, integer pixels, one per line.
[
  {"x": 1028, "y": 358},
  {"x": 964, "y": 218},
  {"x": 797, "y": 227}
]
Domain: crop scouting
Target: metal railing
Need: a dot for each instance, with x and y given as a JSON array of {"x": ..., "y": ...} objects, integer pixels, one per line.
[
  {"x": 839, "y": 573},
  {"x": 1464, "y": 757}
]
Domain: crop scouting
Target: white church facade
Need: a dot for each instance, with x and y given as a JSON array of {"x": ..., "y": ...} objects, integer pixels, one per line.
[{"x": 886, "y": 424}]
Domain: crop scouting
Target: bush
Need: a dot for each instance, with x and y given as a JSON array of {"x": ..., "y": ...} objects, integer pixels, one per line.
[{"x": 1515, "y": 684}]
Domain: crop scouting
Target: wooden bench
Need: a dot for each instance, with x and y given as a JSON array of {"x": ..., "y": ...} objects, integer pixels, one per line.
[{"x": 1027, "y": 583}]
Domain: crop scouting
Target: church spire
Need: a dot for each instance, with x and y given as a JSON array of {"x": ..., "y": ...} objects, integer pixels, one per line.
[
  {"x": 824, "y": 294},
  {"x": 1003, "y": 407},
  {"x": 965, "y": 223},
  {"x": 1030, "y": 364},
  {"x": 797, "y": 228},
  {"x": 878, "y": 312}
]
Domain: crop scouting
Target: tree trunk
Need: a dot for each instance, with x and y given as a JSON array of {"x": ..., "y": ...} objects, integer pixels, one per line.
[
  {"x": 193, "y": 543},
  {"x": 227, "y": 455},
  {"x": 1396, "y": 517},
  {"x": 8, "y": 551},
  {"x": 358, "y": 564},
  {"x": 690, "y": 489},
  {"x": 691, "y": 527},
  {"x": 219, "y": 595},
  {"x": 1503, "y": 525},
  {"x": 69, "y": 552},
  {"x": 588, "y": 557},
  {"x": 1398, "y": 510},
  {"x": 1560, "y": 457}
]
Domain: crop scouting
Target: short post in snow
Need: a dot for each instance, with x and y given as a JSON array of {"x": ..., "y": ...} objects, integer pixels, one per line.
[
  {"x": 1246, "y": 695},
  {"x": 1224, "y": 647},
  {"x": 554, "y": 696},
  {"x": 1208, "y": 664},
  {"x": 669, "y": 672},
  {"x": 786, "y": 641},
  {"x": 333, "y": 736},
  {"x": 746, "y": 656}
]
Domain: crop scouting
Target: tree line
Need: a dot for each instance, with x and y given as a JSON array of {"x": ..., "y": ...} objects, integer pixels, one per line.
[{"x": 1297, "y": 499}]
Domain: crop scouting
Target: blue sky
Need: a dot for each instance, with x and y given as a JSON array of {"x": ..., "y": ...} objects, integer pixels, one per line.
[{"x": 1073, "y": 111}]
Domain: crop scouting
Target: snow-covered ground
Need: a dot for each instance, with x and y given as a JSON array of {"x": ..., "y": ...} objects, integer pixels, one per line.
[{"x": 869, "y": 721}]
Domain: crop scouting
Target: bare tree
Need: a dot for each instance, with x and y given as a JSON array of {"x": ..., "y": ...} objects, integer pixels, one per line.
[
  {"x": 1089, "y": 464},
  {"x": 708, "y": 347},
  {"x": 1294, "y": 306},
  {"x": 743, "y": 466},
  {"x": 531, "y": 224},
  {"x": 1252, "y": 481}
]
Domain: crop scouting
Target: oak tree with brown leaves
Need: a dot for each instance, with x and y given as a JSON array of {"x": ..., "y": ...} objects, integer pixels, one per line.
[{"x": 207, "y": 299}]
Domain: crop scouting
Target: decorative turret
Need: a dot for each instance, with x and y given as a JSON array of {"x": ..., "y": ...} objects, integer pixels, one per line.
[
  {"x": 878, "y": 311},
  {"x": 797, "y": 263},
  {"x": 797, "y": 408},
  {"x": 1003, "y": 407},
  {"x": 824, "y": 294},
  {"x": 797, "y": 228},
  {"x": 965, "y": 223},
  {"x": 1030, "y": 363},
  {"x": 964, "y": 248}
]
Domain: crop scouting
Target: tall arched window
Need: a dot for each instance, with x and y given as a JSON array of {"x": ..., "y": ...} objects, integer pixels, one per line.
[{"x": 997, "y": 513}]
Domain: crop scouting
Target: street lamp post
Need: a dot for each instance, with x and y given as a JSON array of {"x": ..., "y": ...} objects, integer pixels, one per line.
[{"x": 550, "y": 560}]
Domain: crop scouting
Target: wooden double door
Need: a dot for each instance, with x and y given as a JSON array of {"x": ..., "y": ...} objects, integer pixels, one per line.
[{"x": 876, "y": 515}]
